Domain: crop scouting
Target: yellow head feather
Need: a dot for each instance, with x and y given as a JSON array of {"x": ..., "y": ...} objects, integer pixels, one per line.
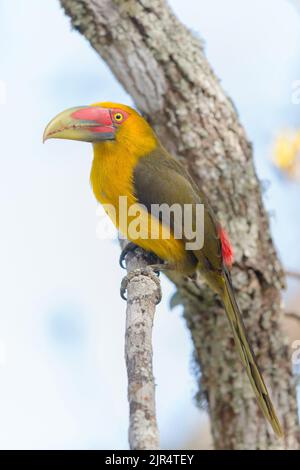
[{"x": 134, "y": 135}]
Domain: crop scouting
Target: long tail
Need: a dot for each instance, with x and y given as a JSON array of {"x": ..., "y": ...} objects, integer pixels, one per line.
[{"x": 248, "y": 357}]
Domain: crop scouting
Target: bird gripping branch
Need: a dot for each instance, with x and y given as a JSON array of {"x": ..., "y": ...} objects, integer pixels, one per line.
[{"x": 129, "y": 161}]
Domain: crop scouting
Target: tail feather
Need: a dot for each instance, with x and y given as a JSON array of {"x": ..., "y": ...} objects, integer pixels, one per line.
[{"x": 248, "y": 357}]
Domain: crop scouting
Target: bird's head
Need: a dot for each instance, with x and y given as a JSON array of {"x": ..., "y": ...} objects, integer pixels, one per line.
[{"x": 101, "y": 123}]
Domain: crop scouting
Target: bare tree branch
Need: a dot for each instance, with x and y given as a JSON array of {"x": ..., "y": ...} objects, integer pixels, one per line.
[
  {"x": 163, "y": 67},
  {"x": 143, "y": 294},
  {"x": 293, "y": 274},
  {"x": 295, "y": 315}
]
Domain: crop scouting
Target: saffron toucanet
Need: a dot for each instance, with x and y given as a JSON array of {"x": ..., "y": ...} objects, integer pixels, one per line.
[{"x": 130, "y": 161}]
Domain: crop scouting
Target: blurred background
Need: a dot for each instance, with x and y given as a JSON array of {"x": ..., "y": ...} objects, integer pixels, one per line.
[{"x": 62, "y": 371}]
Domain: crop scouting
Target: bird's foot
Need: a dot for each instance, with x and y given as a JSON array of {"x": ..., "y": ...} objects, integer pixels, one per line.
[
  {"x": 148, "y": 272},
  {"x": 150, "y": 257},
  {"x": 157, "y": 268},
  {"x": 129, "y": 248}
]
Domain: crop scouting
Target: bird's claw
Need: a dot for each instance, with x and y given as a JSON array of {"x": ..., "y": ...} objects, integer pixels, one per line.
[
  {"x": 148, "y": 272},
  {"x": 156, "y": 269},
  {"x": 129, "y": 248}
]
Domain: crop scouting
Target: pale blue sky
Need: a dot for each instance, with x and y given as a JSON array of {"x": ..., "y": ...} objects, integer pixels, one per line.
[{"x": 62, "y": 373}]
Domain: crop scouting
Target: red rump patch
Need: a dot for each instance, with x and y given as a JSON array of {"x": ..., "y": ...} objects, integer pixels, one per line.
[{"x": 227, "y": 250}]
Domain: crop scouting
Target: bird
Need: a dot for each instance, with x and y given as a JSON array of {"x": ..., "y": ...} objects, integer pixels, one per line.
[{"x": 130, "y": 162}]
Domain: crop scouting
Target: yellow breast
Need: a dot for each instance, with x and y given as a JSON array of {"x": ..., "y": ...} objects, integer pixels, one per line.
[{"x": 112, "y": 183}]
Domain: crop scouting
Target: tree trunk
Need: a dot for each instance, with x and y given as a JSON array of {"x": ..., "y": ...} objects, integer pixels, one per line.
[{"x": 163, "y": 67}]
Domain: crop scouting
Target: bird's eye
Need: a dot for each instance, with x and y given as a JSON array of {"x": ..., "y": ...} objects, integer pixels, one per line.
[{"x": 118, "y": 117}]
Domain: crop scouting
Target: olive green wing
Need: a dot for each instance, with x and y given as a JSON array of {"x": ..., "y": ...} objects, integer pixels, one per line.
[{"x": 158, "y": 178}]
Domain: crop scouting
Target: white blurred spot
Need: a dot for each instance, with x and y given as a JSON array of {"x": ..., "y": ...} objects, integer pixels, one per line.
[
  {"x": 3, "y": 92},
  {"x": 2, "y": 353}
]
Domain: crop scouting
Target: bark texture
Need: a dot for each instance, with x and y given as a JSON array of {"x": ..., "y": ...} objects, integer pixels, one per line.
[
  {"x": 163, "y": 67},
  {"x": 143, "y": 294}
]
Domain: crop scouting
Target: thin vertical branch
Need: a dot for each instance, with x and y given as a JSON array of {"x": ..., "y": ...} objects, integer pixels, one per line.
[{"x": 143, "y": 294}]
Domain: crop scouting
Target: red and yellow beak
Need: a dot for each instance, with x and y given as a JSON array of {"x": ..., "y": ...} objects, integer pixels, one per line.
[{"x": 85, "y": 123}]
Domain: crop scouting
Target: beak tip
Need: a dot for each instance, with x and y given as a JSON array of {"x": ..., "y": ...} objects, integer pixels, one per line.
[{"x": 46, "y": 135}]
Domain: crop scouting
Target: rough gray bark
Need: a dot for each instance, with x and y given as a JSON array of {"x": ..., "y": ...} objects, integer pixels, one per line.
[
  {"x": 163, "y": 67},
  {"x": 143, "y": 294}
]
